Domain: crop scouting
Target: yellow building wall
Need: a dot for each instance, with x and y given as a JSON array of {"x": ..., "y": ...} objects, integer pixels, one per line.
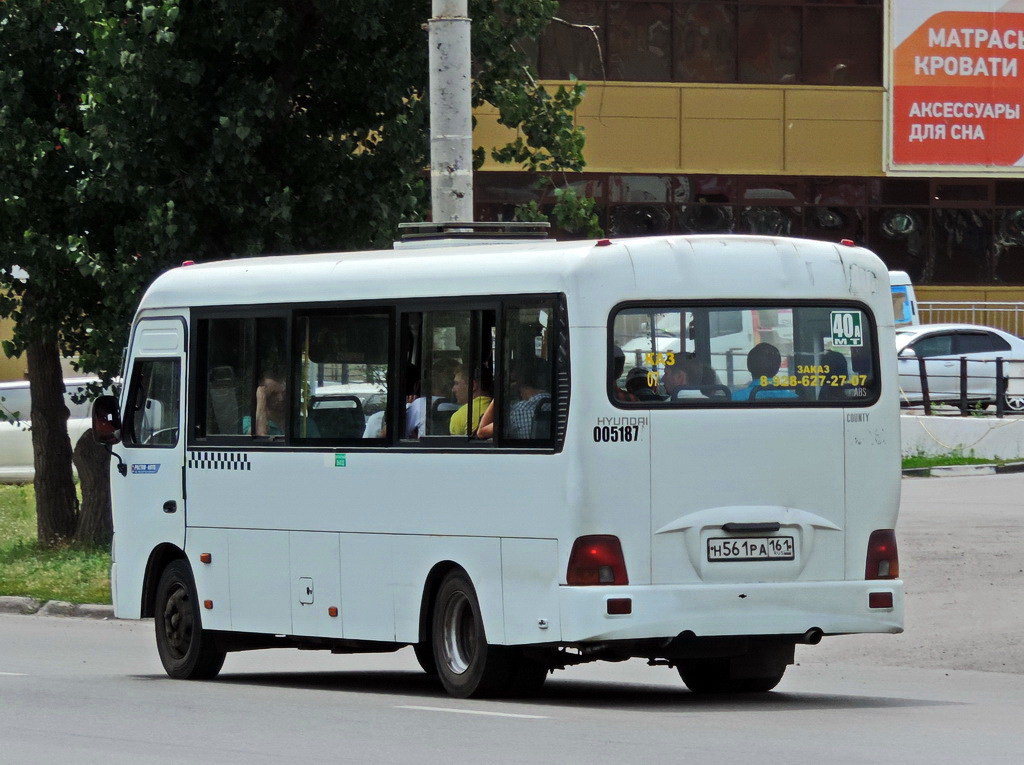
[
  {"x": 10, "y": 369},
  {"x": 977, "y": 294},
  {"x": 731, "y": 129}
]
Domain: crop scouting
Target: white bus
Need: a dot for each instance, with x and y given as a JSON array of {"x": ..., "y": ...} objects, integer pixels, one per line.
[
  {"x": 904, "y": 301},
  {"x": 298, "y": 463}
]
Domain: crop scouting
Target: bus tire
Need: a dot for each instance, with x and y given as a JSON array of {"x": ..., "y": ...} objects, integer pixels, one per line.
[
  {"x": 187, "y": 651},
  {"x": 425, "y": 656},
  {"x": 466, "y": 664}
]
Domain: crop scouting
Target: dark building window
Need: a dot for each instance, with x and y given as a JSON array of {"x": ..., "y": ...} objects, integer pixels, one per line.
[
  {"x": 812, "y": 42},
  {"x": 704, "y": 37},
  {"x": 940, "y": 231}
]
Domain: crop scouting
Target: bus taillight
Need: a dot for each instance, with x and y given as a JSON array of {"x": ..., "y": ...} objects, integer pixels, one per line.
[
  {"x": 596, "y": 559},
  {"x": 883, "y": 557}
]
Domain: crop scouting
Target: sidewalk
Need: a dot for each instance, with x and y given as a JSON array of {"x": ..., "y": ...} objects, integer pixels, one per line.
[
  {"x": 953, "y": 471},
  {"x": 984, "y": 437},
  {"x": 12, "y": 604}
]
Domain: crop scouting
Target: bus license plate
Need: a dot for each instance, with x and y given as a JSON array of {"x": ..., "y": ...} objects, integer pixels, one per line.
[{"x": 751, "y": 548}]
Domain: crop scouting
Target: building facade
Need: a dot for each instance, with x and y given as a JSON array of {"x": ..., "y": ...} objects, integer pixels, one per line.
[{"x": 770, "y": 116}]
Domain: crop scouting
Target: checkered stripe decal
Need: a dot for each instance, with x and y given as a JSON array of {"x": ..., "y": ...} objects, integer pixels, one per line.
[{"x": 219, "y": 461}]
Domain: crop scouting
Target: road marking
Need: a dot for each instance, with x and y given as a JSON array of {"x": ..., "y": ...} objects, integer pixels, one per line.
[
  {"x": 13, "y": 674},
  {"x": 473, "y": 712}
]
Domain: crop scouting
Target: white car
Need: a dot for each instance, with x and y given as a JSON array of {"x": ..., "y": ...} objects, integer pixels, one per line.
[
  {"x": 17, "y": 464},
  {"x": 942, "y": 346}
]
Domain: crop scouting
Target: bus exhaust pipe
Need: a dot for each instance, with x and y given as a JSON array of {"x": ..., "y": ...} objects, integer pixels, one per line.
[{"x": 812, "y": 636}]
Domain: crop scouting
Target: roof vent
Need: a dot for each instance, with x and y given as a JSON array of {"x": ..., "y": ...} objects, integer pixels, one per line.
[{"x": 504, "y": 230}]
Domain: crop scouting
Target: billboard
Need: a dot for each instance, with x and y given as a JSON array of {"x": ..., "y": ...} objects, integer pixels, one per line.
[{"x": 955, "y": 80}]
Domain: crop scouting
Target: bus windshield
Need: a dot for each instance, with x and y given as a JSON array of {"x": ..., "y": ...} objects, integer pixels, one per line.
[{"x": 699, "y": 355}]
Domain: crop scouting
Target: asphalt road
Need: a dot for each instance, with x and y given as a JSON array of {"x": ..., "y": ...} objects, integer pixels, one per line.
[{"x": 950, "y": 689}]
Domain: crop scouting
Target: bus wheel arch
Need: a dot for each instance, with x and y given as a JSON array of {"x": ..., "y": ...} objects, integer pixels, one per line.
[
  {"x": 424, "y": 649},
  {"x": 159, "y": 559}
]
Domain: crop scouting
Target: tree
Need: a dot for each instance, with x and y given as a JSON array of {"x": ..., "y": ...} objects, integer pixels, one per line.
[
  {"x": 42, "y": 69},
  {"x": 210, "y": 129}
]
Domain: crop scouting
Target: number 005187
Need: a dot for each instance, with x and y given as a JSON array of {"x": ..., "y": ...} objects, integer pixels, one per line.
[{"x": 616, "y": 433}]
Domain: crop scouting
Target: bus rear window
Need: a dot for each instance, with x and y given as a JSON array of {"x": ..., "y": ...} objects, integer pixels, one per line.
[{"x": 698, "y": 355}]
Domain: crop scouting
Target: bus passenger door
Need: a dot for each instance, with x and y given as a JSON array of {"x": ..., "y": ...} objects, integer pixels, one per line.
[{"x": 151, "y": 508}]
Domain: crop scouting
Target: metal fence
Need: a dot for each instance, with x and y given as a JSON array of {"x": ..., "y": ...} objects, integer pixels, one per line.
[
  {"x": 1006, "y": 316},
  {"x": 972, "y": 386}
]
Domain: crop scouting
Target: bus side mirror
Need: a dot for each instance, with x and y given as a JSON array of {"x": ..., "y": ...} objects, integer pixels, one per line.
[{"x": 106, "y": 421}]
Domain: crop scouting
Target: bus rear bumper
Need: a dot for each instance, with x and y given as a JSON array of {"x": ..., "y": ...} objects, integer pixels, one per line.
[{"x": 793, "y": 608}]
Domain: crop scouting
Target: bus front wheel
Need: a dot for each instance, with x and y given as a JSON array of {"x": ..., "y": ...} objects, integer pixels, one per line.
[
  {"x": 466, "y": 664},
  {"x": 187, "y": 651}
]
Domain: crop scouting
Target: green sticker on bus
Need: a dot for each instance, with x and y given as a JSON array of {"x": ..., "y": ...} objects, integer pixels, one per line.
[
  {"x": 847, "y": 330},
  {"x": 339, "y": 460}
]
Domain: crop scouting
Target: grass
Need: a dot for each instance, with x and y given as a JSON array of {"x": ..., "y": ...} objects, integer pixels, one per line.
[
  {"x": 69, "y": 574},
  {"x": 955, "y": 458}
]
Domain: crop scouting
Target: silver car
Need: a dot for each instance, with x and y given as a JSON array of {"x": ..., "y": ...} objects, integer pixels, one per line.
[
  {"x": 941, "y": 346},
  {"x": 17, "y": 464}
]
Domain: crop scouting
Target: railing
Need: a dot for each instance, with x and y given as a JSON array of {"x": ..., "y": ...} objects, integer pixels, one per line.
[
  {"x": 1003, "y": 386},
  {"x": 1006, "y": 316}
]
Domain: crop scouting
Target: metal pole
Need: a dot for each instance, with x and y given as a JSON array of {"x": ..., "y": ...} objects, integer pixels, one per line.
[
  {"x": 963, "y": 385},
  {"x": 1000, "y": 388},
  {"x": 451, "y": 121},
  {"x": 925, "y": 398}
]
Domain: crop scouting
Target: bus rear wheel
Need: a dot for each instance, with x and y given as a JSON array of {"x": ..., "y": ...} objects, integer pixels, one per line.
[
  {"x": 466, "y": 664},
  {"x": 187, "y": 651},
  {"x": 425, "y": 656}
]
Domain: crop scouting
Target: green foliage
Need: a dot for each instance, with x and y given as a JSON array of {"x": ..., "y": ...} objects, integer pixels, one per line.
[
  {"x": 76, "y": 576},
  {"x": 570, "y": 212},
  {"x": 42, "y": 74},
  {"x": 548, "y": 141},
  {"x": 139, "y": 134},
  {"x": 953, "y": 457}
]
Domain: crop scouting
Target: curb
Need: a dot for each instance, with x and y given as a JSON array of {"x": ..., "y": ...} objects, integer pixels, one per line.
[
  {"x": 953, "y": 471},
  {"x": 10, "y": 604}
]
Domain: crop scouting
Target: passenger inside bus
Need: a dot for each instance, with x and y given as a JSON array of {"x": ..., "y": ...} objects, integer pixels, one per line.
[
  {"x": 763, "y": 361},
  {"x": 441, "y": 374},
  {"x": 376, "y": 427},
  {"x": 682, "y": 378},
  {"x": 638, "y": 383},
  {"x": 837, "y": 370},
  {"x": 532, "y": 378},
  {"x": 618, "y": 366},
  {"x": 461, "y": 423},
  {"x": 271, "y": 403}
]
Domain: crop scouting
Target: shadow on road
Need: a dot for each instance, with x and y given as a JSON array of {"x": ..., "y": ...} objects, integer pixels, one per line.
[{"x": 570, "y": 694}]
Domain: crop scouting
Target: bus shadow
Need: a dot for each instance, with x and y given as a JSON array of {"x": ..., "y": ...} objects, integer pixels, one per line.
[{"x": 570, "y": 694}]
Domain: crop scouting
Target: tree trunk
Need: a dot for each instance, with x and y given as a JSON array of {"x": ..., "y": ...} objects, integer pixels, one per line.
[
  {"x": 56, "y": 503},
  {"x": 95, "y": 524}
]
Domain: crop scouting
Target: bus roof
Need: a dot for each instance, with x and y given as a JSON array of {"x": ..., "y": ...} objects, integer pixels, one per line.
[{"x": 643, "y": 268}]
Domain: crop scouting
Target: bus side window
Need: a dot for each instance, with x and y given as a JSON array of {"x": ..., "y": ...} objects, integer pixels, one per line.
[
  {"x": 342, "y": 375},
  {"x": 447, "y": 378},
  {"x": 528, "y": 379},
  {"x": 270, "y": 415},
  {"x": 229, "y": 371},
  {"x": 154, "y": 403}
]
